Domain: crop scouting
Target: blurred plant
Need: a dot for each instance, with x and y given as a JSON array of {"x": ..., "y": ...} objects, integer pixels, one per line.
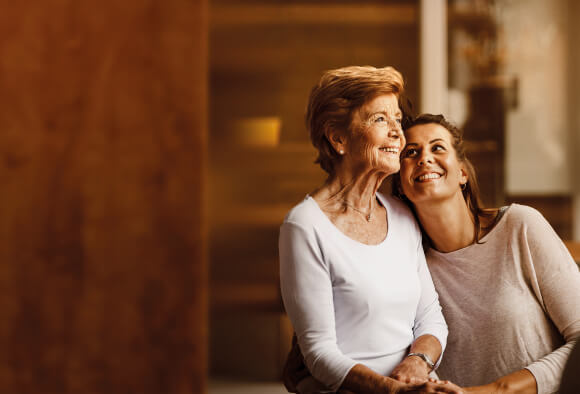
[{"x": 483, "y": 45}]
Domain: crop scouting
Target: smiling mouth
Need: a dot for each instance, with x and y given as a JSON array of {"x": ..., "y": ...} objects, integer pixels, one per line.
[
  {"x": 427, "y": 177},
  {"x": 389, "y": 150}
]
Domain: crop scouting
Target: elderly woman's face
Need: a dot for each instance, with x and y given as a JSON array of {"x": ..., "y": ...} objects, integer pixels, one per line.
[{"x": 376, "y": 138}]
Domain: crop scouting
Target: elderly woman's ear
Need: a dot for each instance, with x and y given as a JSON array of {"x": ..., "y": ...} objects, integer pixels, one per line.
[{"x": 337, "y": 140}]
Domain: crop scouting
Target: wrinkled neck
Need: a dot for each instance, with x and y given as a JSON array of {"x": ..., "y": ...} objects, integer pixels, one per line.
[{"x": 357, "y": 188}]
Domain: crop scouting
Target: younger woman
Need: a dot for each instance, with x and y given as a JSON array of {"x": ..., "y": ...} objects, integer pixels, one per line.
[{"x": 509, "y": 289}]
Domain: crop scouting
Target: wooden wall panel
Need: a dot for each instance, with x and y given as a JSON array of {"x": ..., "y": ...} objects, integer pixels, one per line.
[{"x": 102, "y": 150}]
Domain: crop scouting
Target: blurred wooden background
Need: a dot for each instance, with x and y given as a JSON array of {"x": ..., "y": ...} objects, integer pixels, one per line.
[
  {"x": 264, "y": 58},
  {"x": 104, "y": 114},
  {"x": 102, "y": 150}
]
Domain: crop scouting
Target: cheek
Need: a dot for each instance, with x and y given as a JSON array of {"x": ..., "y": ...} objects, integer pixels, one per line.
[
  {"x": 368, "y": 151},
  {"x": 405, "y": 177},
  {"x": 405, "y": 187}
]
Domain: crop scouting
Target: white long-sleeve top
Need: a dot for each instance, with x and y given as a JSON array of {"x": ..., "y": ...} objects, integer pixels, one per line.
[
  {"x": 511, "y": 301},
  {"x": 354, "y": 303}
]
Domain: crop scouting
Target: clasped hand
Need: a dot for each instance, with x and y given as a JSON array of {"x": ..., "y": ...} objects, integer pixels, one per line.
[{"x": 414, "y": 373}]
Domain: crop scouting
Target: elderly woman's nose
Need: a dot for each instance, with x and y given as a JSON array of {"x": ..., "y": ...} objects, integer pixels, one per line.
[
  {"x": 394, "y": 133},
  {"x": 395, "y": 130}
]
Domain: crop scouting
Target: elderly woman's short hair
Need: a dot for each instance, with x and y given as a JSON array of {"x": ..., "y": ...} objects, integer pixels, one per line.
[{"x": 337, "y": 95}]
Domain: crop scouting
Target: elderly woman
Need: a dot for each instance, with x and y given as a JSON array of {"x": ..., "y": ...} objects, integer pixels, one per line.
[
  {"x": 353, "y": 274},
  {"x": 510, "y": 290}
]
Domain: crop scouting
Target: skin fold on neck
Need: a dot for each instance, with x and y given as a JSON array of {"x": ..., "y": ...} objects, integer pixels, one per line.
[{"x": 356, "y": 187}]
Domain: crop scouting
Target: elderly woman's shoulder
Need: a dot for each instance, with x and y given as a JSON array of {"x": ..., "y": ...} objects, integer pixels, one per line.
[
  {"x": 399, "y": 211},
  {"x": 395, "y": 206},
  {"x": 305, "y": 213}
]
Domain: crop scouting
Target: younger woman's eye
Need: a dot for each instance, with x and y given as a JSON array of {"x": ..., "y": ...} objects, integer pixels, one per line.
[
  {"x": 410, "y": 152},
  {"x": 437, "y": 148}
]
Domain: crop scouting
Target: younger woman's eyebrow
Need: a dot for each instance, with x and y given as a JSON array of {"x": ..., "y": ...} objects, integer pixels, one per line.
[{"x": 432, "y": 141}]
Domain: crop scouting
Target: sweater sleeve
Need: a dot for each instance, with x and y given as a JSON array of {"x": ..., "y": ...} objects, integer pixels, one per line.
[
  {"x": 307, "y": 294},
  {"x": 429, "y": 318},
  {"x": 556, "y": 282}
]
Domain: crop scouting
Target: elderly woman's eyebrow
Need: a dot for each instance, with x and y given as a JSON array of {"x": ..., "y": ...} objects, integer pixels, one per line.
[{"x": 382, "y": 111}]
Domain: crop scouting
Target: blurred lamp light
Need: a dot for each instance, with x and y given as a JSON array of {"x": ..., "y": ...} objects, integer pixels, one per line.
[{"x": 260, "y": 132}]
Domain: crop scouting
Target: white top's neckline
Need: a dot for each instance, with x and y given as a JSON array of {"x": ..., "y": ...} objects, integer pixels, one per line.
[{"x": 327, "y": 220}]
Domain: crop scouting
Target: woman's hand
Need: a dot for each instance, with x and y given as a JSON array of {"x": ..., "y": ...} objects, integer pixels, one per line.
[
  {"x": 430, "y": 386},
  {"x": 411, "y": 370},
  {"x": 294, "y": 369}
]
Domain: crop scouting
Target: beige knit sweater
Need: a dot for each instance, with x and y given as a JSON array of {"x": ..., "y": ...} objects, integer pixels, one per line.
[{"x": 511, "y": 302}]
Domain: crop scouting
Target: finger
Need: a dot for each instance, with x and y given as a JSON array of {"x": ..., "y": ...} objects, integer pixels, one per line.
[
  {"x": 399, "y": 377},
  {"x": 416, "y": 380},
  {"x": 432, "y": 387},
  {"x": 450, "y": 389}
]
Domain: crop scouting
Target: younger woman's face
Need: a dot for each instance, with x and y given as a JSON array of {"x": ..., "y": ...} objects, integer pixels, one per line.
[{"x": 430, "y": 169}]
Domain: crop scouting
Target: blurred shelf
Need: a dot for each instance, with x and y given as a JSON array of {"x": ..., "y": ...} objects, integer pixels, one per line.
[
  {"x": 237, "y": 15},
  {"x": 226, "y": 296},
  {"x": 483, "y": 146},
  {"x": 473, "y": 22},
  {"x": 263, "y": 215}
]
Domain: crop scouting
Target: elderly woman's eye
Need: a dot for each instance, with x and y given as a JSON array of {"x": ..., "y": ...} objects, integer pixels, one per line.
[{"x": 380, "y": 118}]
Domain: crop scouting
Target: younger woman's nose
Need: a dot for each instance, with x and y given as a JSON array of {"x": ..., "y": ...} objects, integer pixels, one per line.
[{"x": 424, "y": 159}]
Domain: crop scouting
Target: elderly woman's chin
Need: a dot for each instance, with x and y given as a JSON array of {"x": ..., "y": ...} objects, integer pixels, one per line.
[{"x": 388, "y": 165}]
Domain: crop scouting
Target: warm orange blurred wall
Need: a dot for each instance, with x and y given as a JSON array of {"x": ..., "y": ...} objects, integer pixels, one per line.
[{"x": 102, "y": 150}]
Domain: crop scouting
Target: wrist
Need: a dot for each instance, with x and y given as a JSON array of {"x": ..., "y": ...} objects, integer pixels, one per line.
[{"x": 425, "y": 359}]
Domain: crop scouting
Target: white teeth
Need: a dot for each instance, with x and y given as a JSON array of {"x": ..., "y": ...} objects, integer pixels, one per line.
[
  {"x": 431, "y": 175},
  {"x": 392, "y": 150}
]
